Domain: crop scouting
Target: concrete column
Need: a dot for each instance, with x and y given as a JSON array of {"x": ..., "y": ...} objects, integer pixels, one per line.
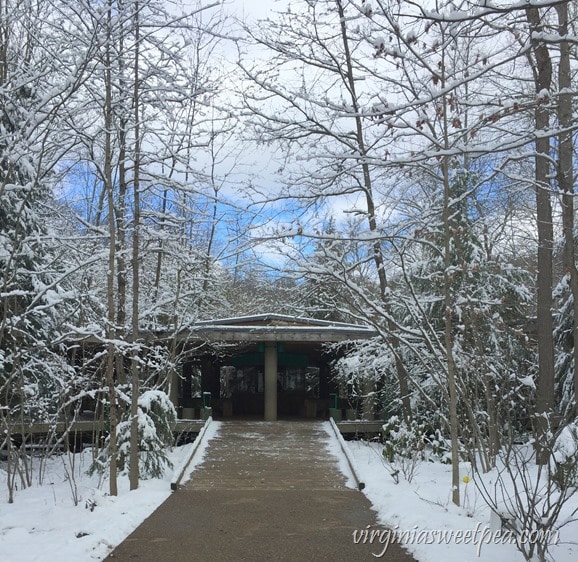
[{"x": 270, "y": 381}]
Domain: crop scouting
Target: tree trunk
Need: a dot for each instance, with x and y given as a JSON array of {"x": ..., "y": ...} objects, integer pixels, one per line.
[
  {"x": 565, "y": 178},
  {"x": 135, "y": 374},
  {"x": 449, "y": 335},
  {"x": 449, "y": 339},
  {"x": 111, "y": 331},
  {"x": 542, "y": 69}
]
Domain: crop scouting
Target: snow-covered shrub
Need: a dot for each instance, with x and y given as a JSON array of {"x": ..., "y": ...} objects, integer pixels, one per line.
[
  {"x": 403, "y": 445},
  {"x": 407, "y": 443},
  {"x": 402, "y": 439},
  {"x": 156, "y": 414},
  {"x": 564, "y": 460},
  {"x": 438, "y": 447},
  {"x": 533, "y": 499}
]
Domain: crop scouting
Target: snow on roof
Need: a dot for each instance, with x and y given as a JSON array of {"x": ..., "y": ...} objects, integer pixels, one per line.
[
  {"x": 272, "y": 319},
  {"x": 279, "y": 327}
]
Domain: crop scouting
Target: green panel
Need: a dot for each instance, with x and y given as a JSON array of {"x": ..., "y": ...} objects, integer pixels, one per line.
[
  {"x": 257, "y": 359},
  {"x": 293, "y": 360},
  {"x": 254, "y": 359}
]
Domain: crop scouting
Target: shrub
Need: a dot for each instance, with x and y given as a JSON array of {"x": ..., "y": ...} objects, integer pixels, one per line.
[{"x": 156, "y": 414}]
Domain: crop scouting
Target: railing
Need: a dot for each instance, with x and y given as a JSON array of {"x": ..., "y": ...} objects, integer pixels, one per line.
[
  {"x": 89, "y": 426},
  {"x": 350, "y": 461}
]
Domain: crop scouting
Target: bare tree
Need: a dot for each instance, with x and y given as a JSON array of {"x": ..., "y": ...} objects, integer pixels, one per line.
[
  {"x": 36, "y": 88},
  {"x": 109, "y": 184},
  {"x": 541, "y": 65},
  {"x": 135, "y": 363}
]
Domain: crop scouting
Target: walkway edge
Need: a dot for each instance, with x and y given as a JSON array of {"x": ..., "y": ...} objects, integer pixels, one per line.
[
  {"x": 352, "y": 466},
  {"x": 176, "y": 483}
]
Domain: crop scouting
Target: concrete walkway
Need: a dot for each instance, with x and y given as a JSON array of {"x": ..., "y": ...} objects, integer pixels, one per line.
[{"x": 266, "y": 491}]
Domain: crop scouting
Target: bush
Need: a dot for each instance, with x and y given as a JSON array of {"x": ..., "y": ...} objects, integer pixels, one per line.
[
  {"x": 413, "y": 439},
  {"x": 564, "y": 459},
  {"x": 156, "y": 414}
]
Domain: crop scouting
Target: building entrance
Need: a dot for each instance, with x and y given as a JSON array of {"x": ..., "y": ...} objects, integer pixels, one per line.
[{"x": 242, "y": 386}]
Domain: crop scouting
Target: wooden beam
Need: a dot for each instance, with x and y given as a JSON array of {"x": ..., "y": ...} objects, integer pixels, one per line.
[{"x": 180, "y": 426}]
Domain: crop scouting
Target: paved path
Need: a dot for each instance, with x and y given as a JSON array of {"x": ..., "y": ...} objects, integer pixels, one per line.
[{"x": 266, "y": 491}]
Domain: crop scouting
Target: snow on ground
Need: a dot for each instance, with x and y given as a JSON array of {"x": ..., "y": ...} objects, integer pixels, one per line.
[
  {"x": 45, "y": 524},
  {"x": 424, "y": 507}
]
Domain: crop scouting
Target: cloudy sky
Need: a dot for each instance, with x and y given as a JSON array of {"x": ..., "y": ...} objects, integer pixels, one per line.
[{"x": 255, "y": 8}]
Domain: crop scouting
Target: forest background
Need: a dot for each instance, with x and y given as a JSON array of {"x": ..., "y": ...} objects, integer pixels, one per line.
[{"x": 408, "y": 165}]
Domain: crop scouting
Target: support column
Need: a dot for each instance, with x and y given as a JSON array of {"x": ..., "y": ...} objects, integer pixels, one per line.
[{"x": 270, "y": 381}]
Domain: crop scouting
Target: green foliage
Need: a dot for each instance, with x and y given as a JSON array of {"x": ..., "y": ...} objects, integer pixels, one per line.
[
  {"x": 566, "y": 474},
  {"x": 564, "y": 460},
  {"x": 156, "y": 414},
  {"x": 564, "y": 341},
  {"x": 413, "y": 440}
]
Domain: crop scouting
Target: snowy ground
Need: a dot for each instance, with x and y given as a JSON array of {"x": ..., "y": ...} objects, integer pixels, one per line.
[
  {"x": 424, "y": 509},
  {"x": 45, "y": 524}
]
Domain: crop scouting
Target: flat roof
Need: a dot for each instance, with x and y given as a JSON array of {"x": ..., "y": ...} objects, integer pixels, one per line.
[{"x": 278, "y": 327}]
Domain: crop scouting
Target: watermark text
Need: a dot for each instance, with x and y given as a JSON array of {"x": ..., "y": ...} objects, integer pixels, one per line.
[{"x": 477, "y": 537}]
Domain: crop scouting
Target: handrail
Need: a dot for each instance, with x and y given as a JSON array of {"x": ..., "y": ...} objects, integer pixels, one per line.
[
  {"x": 352, "y": 466},
  {"x": 176, "y": 483}
]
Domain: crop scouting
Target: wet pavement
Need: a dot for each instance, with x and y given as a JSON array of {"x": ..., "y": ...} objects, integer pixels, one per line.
[{"x": 265, "y": 491}]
